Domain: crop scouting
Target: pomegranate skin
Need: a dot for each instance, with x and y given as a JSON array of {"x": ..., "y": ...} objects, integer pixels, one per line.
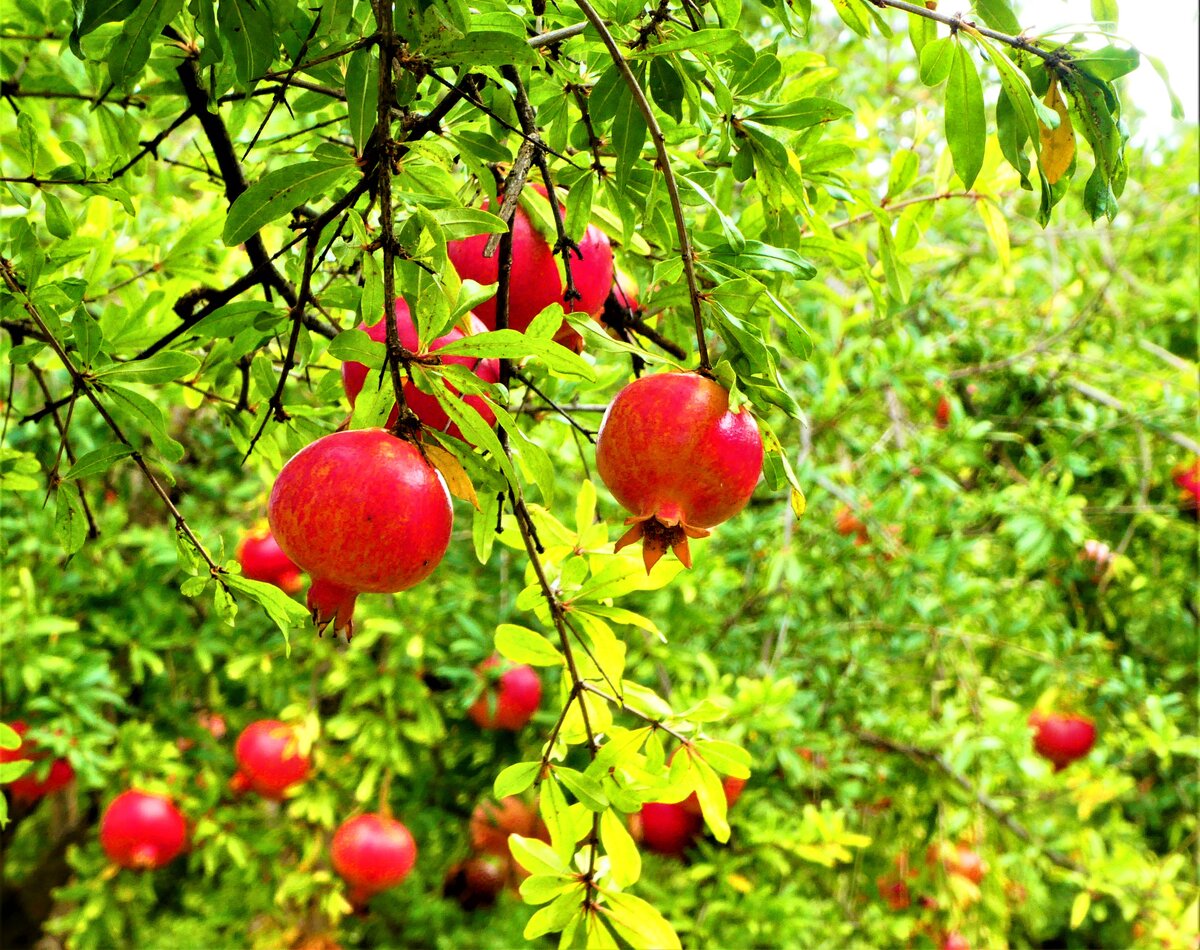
[
  {"x": 268, "y": 760},
  {"x": 29, "y": 787},
  {"x": 372, "y": 853},
  {"x": 426, "y": 407},
  {"x": 535, "y": 282},
  {"x": 263, "y": 560},
  {"x": 511, "y": 703},
  {"x": 1062, "y": 738},
  {"x": 674, "y": 455},
  {"x": 668, "y": 828},
  {"x": 142, "y": 831},
  {"x": 361, "y": 511}
]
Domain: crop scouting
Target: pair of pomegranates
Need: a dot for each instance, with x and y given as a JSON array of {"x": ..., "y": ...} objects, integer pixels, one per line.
[{"x": 477, "y": 880}]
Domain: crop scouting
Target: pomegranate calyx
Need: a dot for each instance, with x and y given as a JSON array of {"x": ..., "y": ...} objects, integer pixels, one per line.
[
  {"x": 332, "y": 604},
  {"x": 657, "y": 535}
]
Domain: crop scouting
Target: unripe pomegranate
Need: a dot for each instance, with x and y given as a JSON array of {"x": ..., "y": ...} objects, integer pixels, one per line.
[
  {"x": 535, "y": 282},
  {"x": 29, "y": 787},
  {"x": 675, "y": 456},
  {"x": 667, "y": 828},
  {"x": 372, "y": 853},
  {"x": 475, "y": 882},
  {"x": 269, "y": 759},
  {"x": 360, "y": 511},
  {"x": 509, "y": 699},
  {"x": 143, "y": 831},
  {"x": 491, "y": 824},
  {"x": 1062, "y": 738},
  {"x": 426, "y": 407},
  {"x": 263, "y": 560}
]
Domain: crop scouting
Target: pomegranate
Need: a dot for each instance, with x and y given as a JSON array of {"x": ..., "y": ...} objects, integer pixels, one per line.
[
  {"x": 29, "y": 786},
  {"x": 143, "y": 831},
  {"x": 959, "y": 859},
  {"x": 1187, "y": 477},
  {"x": 848, "y": 523},
  {"x": 893, "y": 891},
  {"x": 941, "y": 415},
  {"x": 675, "y": 456},
  {"x": 535, "y": 282},
  {"x": 360, "y": 511},
  {"x": 1062, "y": 738},
  {"x": 622, "y": 303},
  {"x": 263, "y": 560},
  {"x": 269, "y": 759},
  {"x": 475, "y": 882},
  {"x": 666, "y": 827},
  {"x": 492, "y": 823},
  {"x": 372, "y": 853},
  {"x": 955, "y": 941},
  {"x": 426, "y": 407},
  {"x": 509, "y": 699}
]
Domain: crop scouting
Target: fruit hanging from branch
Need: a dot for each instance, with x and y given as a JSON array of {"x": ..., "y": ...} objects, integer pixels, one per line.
[
  {"x": 35, "y": 784},
  {"x": 262, "y": 559},
  {"x": 142, "y": 830},
  {"x": 361, "y": 511},
  {"x": 1061, "y": 737},
  {"x": 372, "y": 853},
  {"x": 666, "y": 828},
  {"x": 269, "y": 759},
  {"x": 426, "y": 406},
  {"x": 678, "y": 459},
  {"x": 511, "y": 695}
]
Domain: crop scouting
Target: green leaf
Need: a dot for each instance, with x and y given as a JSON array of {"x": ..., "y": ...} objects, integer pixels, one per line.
[
  {"x": 515, "y": 779},
  {"x": 89, "y": 338},
  {"x": 522, "y": 645},
  {"x": 458, "y": 223},
  {"x": 707, "y": 41},
  {"x": 362, "y": 95},
  {"x": 511, "y": 344},
  {"x": 356, "y": 346},
  {"x": 966, "y": 125},
  {"x": 1108, "y": 63},
  {"x": 854, "y": 15},
  {"x": 150, "y": 419},
  {"x": 277, "y": 193},
  {"x": 249, "y": 32},
  {"x": 131, "y": 49},
  {"x": 287, "y": 612},
  {"x": 9, "y": 737},
  {"x": 666, "y": 87},
  {"x": 801, "y": 113},
  {"x": 98, "y": 461},
  {"x": 91, "y": 14},
  {"x": 629, "y": 134},
  {"x": 163, "y": 367},
  {"x": 936, "y": 59},
  {"x": 623, "y": 855},
  {"x": 1105, "y": 11},
  {"x": 58, "y": 222},
  {"x": 638, "y": 922},
  {"x": 70, "y": 522},
  {"x": 586, "y": 789},
  {"x": 921, "y": 32},
  {"x": 998, "y": 14},
  {"x": 554, "y": 916},
  {"x": 536, "y": 856},
  {"x": 482, "y": 48}
]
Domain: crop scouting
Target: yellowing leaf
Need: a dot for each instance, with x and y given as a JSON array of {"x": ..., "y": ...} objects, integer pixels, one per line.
[
  {"x": 1058, "y": 145},
  {"x": 455, "y": 475},
  {"x": 1080, "y": 908}
]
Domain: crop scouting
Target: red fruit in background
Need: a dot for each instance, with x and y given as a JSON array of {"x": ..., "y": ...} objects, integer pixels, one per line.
[
  {"x": 425, "y": 406},
  {"x": 535, "y": 282},
  {"x": 491, "y": 824},
  {"x": 955, "y": 941},
  {"x": 942, "y": 413},
  {"x": 667, "y": 827},
  {"x": 959, "y": 859},
  {"x": 35, "y": 784},
  {"x": 143, "y": 831},
  {"x": 1062, "y": 738},
  {"x": 475, "y": 882},
  {"x": 508, "y": 702},
  {"x": 733, "y": 791},
  {"x": 268, "y": 756},
  {"x": 360, "y": 511},
  {"x": 674, "y": 455},
  {"x": 894, "y": 891},
  {"x": 372, "y": 853},
  {"x": 213, "y": 722},
  {"x": 1187, "y": 477},
  {"x": 262, "y": 559}
]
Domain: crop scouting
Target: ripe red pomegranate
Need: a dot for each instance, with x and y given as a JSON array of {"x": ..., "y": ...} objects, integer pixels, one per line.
[
  {"x": 360, "y": 511},
  {"x": 426, "y": 407},
  {"x": 263, "y": 560},
  {"x": 143, "y": 831},
  {"x": 475, "y": 882},
  {"x": 35, "y": 783},
  {"x": 372, "y": 853},
  {"x": 675, "y": 456},
  {"x": 942, "y": 413},
  {"x": 535, "y": 281},
  {"x": 667, "y": 827},
  {"x": 491, "y": 824},
  {"x": 269, "y": 759},
  {"x": 1062, "y": 738},
  {"x": 509, "y": 699},
  {"x": 1187, "y": 477}
]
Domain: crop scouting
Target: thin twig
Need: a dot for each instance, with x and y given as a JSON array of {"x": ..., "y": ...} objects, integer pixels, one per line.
[{"x": 957, "y": 22}]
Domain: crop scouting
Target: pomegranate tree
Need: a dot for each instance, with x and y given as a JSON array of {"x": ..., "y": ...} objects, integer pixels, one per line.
[
  {"x": 262, "y": 559},
  {"x": 425, "y": 406},
  {"x": 1062, "y": 738},
  {"x": 510, "y": 697},
  {"x": 142, "y": 830},
  {"x": 674, "y": 455},
  {"x": 666, "y": 827},
  {"x": 372, "y": 853},
  {"x": 35, "y": 783},
  {"x": 361, "y": 511},
  {"x": 535, "y": 281},
  {"x": 269, "y": 759}
]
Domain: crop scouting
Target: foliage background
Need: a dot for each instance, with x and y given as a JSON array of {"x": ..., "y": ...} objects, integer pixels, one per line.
[{"x": 907, "y": 666}]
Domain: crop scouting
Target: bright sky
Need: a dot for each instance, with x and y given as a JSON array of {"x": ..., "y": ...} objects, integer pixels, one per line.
[{"x": 1166, "y": 29}]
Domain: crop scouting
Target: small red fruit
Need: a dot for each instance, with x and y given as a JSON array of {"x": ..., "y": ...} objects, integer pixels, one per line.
[
  {"x": 426, "y": 406},
  {"x": 268, "y": 756},
  {"x": 475, "y": 882},
  {"x": 942, "y": 413},
  {"x": 535, "y": 282},
  {"x": 360, "y": 511},
  {"x": 263, "y": 560},
  {"x": 143, "y": 831},
  {"x": 959, "y": 859},
  {"x": 668, "y": 828},
  {"x": 509, "y": 700},
  {"x": 372, "y": 853},
  {"x": 491, "y": 824},
  {"x": 29, "y": 787},
  {"x": 675, "y": 456},
  {"x": 894, "y": 892},
  {"x": 1187, "y": 477},
  {"x": 955, "y": 941},
  {"x": 1062, "y": 738}
]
